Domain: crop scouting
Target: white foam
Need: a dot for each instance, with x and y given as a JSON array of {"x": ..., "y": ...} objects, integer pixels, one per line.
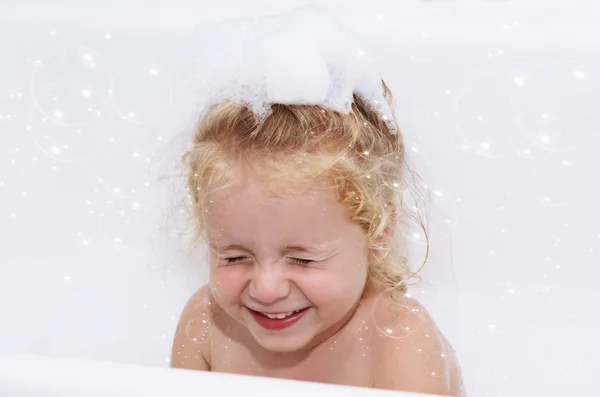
[{"x": 305, "y": 57}]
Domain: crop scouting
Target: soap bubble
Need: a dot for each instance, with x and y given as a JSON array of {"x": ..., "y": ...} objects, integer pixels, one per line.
[
  {"x": 72, "y": 103},
  {"x": 564, "y": 118},
  {"x": 44, "y": 37},
  {"x": 251, "y": 61},
  {"x": 483, "y": 109},
  {"x": 438, "y": 365},
  {"x": 66, "y": 71},
  {"x": 67, "y": 143},
  {"x": 12, "y": 106},
  {"x": 364, "y": 350},
  {"x": 555, "y": 183},
  {"x": 142, "y": 92},
  {"x": 124, "y": 222},
  {"x": 475, "y": 132},
  {"x": 70, "y": 86},
  {"x": 198, "y": 329},
  {"x": 395, "y": 316},
  {"x": 125, "y": 173},
  {"x": 425, "y": 342}
]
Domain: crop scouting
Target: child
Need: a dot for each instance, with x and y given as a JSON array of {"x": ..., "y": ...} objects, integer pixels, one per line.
[{"x": 298, "y": 208}]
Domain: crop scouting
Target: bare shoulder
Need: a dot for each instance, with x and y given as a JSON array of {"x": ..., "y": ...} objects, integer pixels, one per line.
[
  {"x": 413, "y": 354},
  {"x": 191, "y": 343},
  {"x": 200, "y": 303}
]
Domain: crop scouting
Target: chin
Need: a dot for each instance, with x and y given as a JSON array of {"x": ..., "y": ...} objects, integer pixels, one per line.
[{"x": 281, "y": 343}]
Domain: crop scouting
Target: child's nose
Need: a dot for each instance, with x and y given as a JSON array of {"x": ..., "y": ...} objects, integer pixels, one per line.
[{"x": 269, "y": 285}]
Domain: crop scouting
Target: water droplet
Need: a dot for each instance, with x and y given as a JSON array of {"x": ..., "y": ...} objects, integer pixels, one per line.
[
  {"x": 365, "y": 350},
  {"x": 224, "y": 350},
  {"x": 364, "y": 332}
]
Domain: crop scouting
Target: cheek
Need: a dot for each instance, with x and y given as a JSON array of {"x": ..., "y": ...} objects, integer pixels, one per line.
[
  {"x": 339, "y": 284},
  {"x": 227, "y": 284},
  {"x": 362, "y": 270}
]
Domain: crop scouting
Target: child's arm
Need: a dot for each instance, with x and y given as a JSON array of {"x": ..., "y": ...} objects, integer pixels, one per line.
[
  {"x": 422, "y": 362},
  {"x": 187, "y": 353}
]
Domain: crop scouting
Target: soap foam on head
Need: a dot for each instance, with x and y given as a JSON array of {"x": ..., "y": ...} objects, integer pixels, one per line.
[{"x": 305, "y": 57}]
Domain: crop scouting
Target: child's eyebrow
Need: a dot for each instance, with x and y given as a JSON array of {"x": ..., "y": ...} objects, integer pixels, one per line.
[
  {"x": 285, "y": 249},
  {"x": 301, "y": 248},
  {"x": 229, "y": 247}
]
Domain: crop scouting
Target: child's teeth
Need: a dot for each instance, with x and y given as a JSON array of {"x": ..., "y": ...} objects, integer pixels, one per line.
[{"x": 279, "y": 315}]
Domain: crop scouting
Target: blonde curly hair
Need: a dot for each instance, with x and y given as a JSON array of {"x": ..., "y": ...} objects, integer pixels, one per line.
[{"x": 356, "y": 153}]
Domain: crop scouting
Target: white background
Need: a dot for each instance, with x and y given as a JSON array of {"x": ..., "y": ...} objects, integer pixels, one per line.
[{"x": 498, "y": 102}]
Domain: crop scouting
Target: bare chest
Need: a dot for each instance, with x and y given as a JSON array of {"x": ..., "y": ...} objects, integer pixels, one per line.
[{"x": 344, "y": 365}]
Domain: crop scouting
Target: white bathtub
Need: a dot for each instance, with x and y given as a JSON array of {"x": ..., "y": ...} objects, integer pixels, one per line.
[
  {"x": 32, "y": 376},
  {"x": 498, "y": 101}
]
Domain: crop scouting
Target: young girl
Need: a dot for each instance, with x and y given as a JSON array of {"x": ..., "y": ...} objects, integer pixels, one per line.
[{"x": 298, "y": 209}]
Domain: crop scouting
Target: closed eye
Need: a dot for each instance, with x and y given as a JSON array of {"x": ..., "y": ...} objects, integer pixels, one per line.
[
  {"x": 236, "y": 259},
  {"x": 302, "y": 261},
  {"x": 241, "y": 258}
]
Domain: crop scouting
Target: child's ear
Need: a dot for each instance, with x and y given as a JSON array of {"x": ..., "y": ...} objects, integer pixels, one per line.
[{"x": 390, "y": 228}]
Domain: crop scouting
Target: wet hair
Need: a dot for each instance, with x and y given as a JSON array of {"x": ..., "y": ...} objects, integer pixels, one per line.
[{"x": 357, "y": 154}]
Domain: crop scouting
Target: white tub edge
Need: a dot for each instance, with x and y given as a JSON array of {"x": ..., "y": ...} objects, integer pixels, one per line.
[{"x": 39, "y": 376}]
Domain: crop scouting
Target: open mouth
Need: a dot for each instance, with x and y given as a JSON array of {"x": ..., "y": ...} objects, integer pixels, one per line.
[
  {"x": 279, "y": 316},
  {"x": 277, "y": 321}
]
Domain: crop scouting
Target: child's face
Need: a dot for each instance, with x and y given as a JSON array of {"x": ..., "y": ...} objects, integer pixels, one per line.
[{"x": 280, "y": 255}]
